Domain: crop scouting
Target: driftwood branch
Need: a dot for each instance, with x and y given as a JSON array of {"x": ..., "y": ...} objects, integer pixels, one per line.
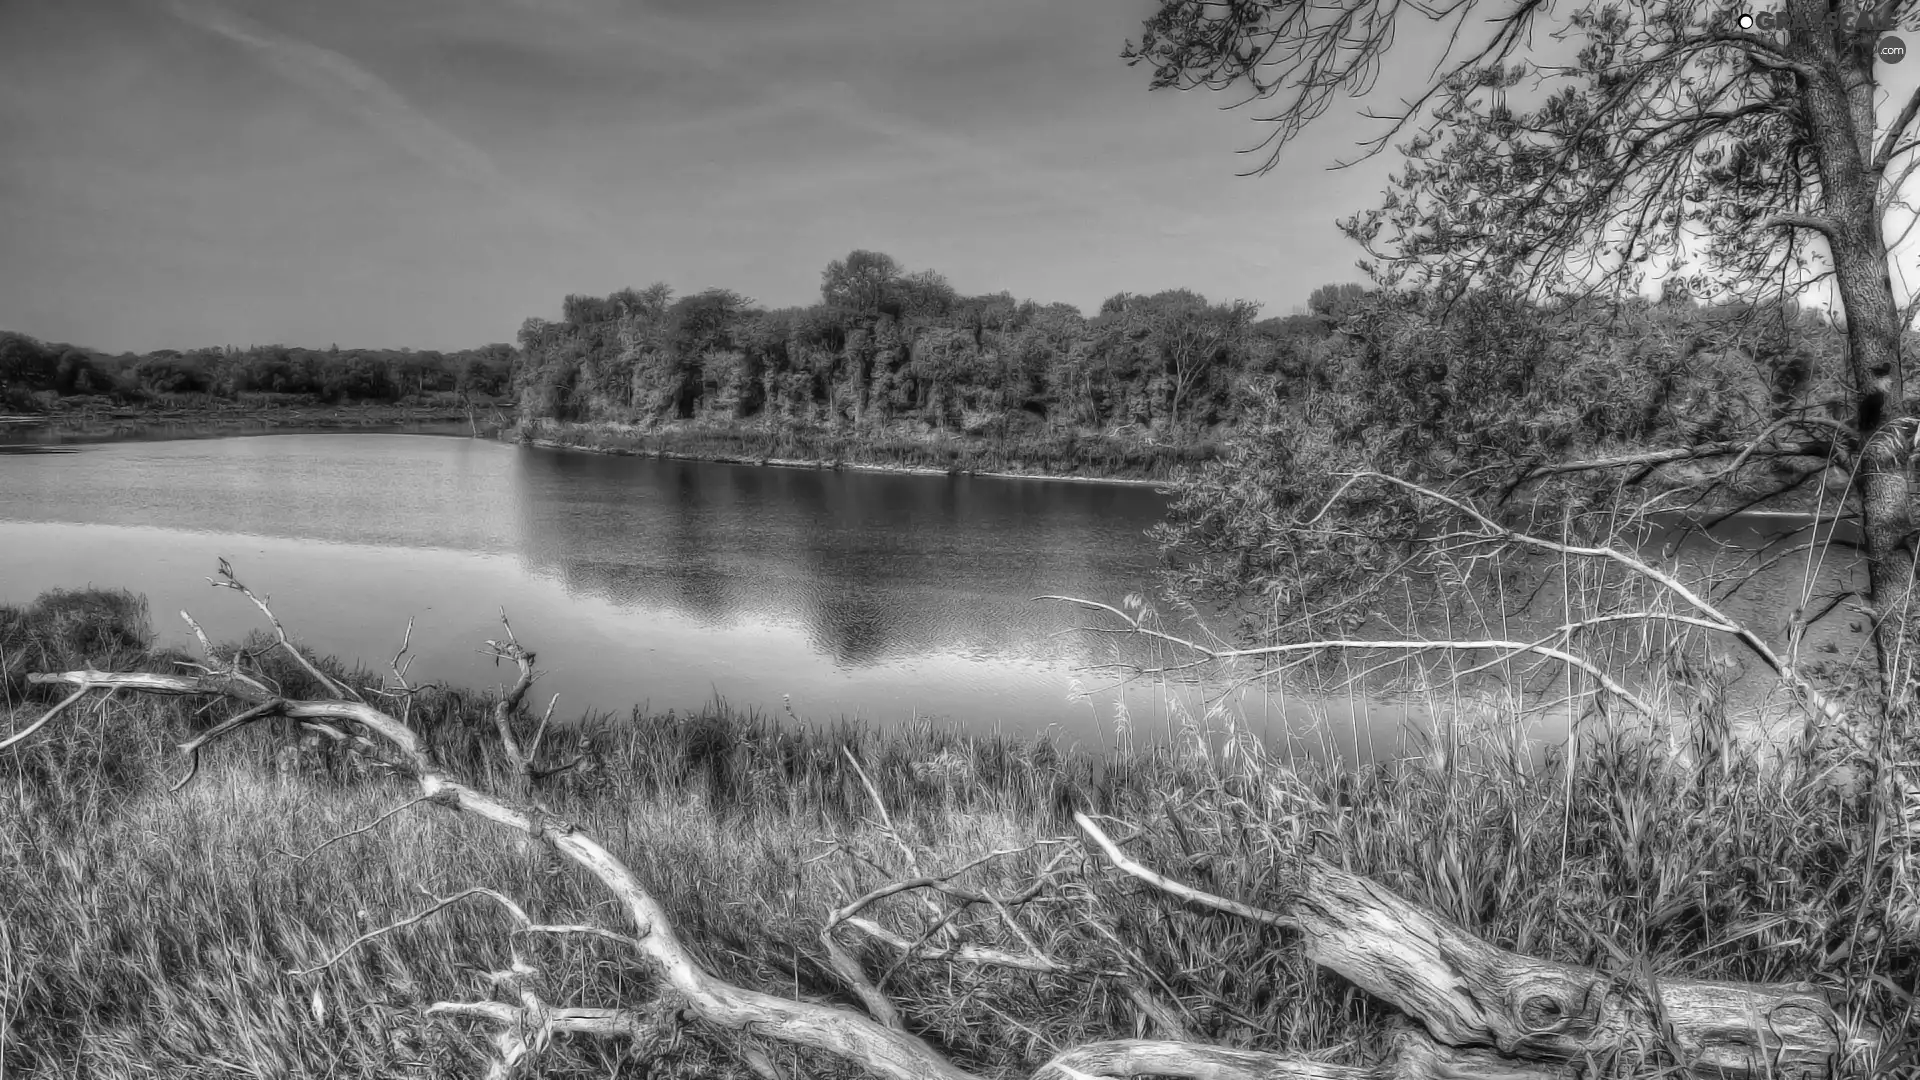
[
  {"x": 21, "y": 735},
  {"x": 524, "y": 1031},
  {"x": 226, "y": 580},
  {"x": 1412, "y": 1056},
  {"x": 361, "y": 831},
  {"x": 507, "y": 705}
]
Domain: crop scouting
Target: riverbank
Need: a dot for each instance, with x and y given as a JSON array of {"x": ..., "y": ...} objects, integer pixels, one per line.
[
  {"x": 216, "y": 417},
  {"x": 150, "y": 932},
  {"x": 1076, "y": 456}
]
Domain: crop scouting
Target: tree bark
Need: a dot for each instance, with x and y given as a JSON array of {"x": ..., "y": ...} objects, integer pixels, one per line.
[
  {"x": 1841, "y": 120},
  {"x": 1469, "y": 993}
]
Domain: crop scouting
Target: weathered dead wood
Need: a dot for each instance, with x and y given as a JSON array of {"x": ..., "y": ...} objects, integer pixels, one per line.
[
  {"x": 21, "y": 735},
  {"x": 521, "y": 757},
  {"x": 1412, "y": 1056},
  {"x": 1469, "y": 993}
]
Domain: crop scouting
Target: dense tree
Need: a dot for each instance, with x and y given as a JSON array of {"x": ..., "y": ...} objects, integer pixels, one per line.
[{"x": 863, "y": 281}]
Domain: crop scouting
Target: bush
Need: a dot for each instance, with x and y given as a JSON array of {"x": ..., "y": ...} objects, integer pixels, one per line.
[{"x": 65, "y": 629}]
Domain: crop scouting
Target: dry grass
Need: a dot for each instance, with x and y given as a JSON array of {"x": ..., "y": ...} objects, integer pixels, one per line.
[{"x": 151, "y": 934}]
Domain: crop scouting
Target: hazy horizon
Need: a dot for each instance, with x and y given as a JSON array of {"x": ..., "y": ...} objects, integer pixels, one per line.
[{"x": 185, "y": 173}]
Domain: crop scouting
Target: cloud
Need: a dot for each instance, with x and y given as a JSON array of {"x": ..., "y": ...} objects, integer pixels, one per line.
[{"x": 336, "y": 79}]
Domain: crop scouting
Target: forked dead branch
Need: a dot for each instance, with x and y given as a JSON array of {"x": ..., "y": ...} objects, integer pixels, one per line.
[{"x": 1472, "y": 1009}]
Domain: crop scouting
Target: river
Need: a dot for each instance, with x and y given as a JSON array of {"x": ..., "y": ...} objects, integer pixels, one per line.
[{"x": 870, "y": 596}]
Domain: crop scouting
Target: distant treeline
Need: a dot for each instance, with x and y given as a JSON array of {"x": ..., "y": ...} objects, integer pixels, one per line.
[
  {"x": 34, "y": 374},
  {"x": 886, "y": 350},
  {"x": 886, "y": 347}
]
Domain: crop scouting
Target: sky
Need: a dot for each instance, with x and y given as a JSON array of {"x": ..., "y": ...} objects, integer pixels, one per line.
[{"x": 181, "y": 173}]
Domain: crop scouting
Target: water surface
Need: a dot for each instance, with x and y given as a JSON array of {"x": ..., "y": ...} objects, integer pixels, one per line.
[
  {"x": 874, "y": 596},
  {"x": 857, "y": 594}
]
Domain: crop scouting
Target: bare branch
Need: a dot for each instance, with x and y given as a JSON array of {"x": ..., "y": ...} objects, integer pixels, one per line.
[
  {"x": 367, "y": 828},
  {"x": 21, "y": 735},
  {"x": 1816, "y": 700},
  {"x": 508, "y": 704},
  {"x": 411, "y": 920},
  {"x": 1679, "y": 453},
  {"x": 1608, "y": 682},
  {"x": 525, "y": 1030},
  {"x": 1188, "y": 893},
  {"x": 968, "y": 953},
  {"x": 1140, "y": 1057},
  {"x": 1819, "y": 223},
  {"x": 1889, "y": 146},
  {"x": 848, "y": 965},
  {"x": 226, "y": 580}
]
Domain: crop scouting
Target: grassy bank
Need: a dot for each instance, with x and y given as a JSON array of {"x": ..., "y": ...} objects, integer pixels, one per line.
[
  {"x": 151, "y": 933},
  {"x": 1061, "y": 454}
]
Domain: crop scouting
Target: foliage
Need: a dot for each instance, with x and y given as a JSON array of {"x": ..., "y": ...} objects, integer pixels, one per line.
[{"x": 1474, "y": 395}]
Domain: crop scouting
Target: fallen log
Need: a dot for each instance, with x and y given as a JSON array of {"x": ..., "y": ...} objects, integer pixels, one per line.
[{"x": 1469, "y": 993}]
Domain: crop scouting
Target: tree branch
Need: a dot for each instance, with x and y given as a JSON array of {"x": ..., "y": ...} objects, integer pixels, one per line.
[
  {"x": 226, "y": 580},
  {"x": 1890, "y": 144},
  {"x": 1816, "y": 701},
  {"x": 21, "y": 735},
  {"x": 1612, "y": 685},
  {"x": 1819, "y": 223}
]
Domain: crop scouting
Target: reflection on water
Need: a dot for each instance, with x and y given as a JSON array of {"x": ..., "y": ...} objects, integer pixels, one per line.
[
  {"x": 869, "y": 595},
  {"x": 858, "y": 594},
  {"x": 872, "y": 568}
]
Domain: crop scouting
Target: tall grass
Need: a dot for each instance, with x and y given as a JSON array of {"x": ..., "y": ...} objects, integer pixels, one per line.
[{"x": 149, "y": 933}]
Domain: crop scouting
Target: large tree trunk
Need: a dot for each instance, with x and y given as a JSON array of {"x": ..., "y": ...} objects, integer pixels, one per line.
[{"x": 1842, "y": 120}]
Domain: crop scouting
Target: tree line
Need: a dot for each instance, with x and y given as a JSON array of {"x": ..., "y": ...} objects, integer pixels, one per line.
[
  {"x": 1445, "y": 376},
  {"x": 1440, "y": 383},
  {"x": 885, "y": 347},
  {"x": 35, "y": 374}
]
